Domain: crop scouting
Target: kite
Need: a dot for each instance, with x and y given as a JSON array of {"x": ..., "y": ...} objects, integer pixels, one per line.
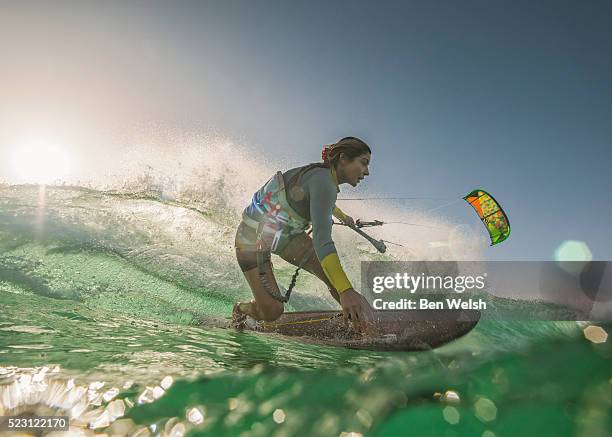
[{"x": 491, "y": 214}]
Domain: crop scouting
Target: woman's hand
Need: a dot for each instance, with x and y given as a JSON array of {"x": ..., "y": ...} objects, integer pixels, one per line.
[
  {"x": 357, "y": 308},
  {"x": 348, "y": 220}
]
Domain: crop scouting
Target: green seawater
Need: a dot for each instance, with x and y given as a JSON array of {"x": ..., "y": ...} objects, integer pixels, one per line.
[{"x": 113, "y": 307}]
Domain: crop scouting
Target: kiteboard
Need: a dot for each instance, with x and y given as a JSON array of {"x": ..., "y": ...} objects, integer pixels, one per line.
[{"x": 391, "y": 330}]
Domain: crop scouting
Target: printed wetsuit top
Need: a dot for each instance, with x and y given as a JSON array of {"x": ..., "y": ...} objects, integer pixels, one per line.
[{"x": 313, "y": 198}]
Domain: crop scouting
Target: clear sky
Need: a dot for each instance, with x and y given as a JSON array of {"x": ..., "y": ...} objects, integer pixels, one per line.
[{"x": 514, "y": 97}]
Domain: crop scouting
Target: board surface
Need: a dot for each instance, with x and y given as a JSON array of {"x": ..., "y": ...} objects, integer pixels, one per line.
[{"x": 393, "y": 330}]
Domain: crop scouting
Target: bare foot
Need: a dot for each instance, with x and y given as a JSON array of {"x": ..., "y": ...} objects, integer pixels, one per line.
[{"x": 238, "y": 317}]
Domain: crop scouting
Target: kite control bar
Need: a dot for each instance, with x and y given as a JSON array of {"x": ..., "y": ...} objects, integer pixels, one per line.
[
  {"x": 378, "y": 244},
  {"x": 361, "y": 224}
]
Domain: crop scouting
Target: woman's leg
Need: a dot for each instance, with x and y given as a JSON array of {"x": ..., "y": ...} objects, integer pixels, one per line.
[
  {"x": 295, "y": 251},
  {"x": 264, "y": 306}
]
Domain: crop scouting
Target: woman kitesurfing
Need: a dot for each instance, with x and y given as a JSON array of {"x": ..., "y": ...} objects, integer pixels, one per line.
[{"x": 276, "y": 221}]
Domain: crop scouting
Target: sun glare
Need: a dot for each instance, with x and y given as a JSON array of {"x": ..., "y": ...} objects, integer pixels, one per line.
[{"x": 40, "y": 162}]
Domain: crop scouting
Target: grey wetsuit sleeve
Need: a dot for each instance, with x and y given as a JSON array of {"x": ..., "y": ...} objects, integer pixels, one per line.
[{"x": 322, "y": 194}]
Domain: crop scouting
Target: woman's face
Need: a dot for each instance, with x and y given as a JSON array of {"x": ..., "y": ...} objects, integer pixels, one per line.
[{"x": 353, "y": 171}]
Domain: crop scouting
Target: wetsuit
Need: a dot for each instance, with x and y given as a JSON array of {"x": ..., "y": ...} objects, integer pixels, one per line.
[{"x": 305, "y": 195}]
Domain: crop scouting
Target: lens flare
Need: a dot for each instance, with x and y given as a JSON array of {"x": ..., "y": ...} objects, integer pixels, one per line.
[{"x": 40, "y": 162}]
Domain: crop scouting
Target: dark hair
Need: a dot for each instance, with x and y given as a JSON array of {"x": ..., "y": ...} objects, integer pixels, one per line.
[{"x": 352, "y": 147}]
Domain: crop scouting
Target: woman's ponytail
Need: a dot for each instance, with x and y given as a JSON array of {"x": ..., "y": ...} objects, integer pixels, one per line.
[
  {"x": 350, "y": 146},
  {"x": 326, "y": 154}
]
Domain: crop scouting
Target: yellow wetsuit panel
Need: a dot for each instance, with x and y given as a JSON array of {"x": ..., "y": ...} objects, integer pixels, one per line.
[{"x": 334, "y": 272}]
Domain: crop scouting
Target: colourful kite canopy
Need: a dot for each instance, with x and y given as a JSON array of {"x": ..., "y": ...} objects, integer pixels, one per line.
[{"x": 491, "y": 214}]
